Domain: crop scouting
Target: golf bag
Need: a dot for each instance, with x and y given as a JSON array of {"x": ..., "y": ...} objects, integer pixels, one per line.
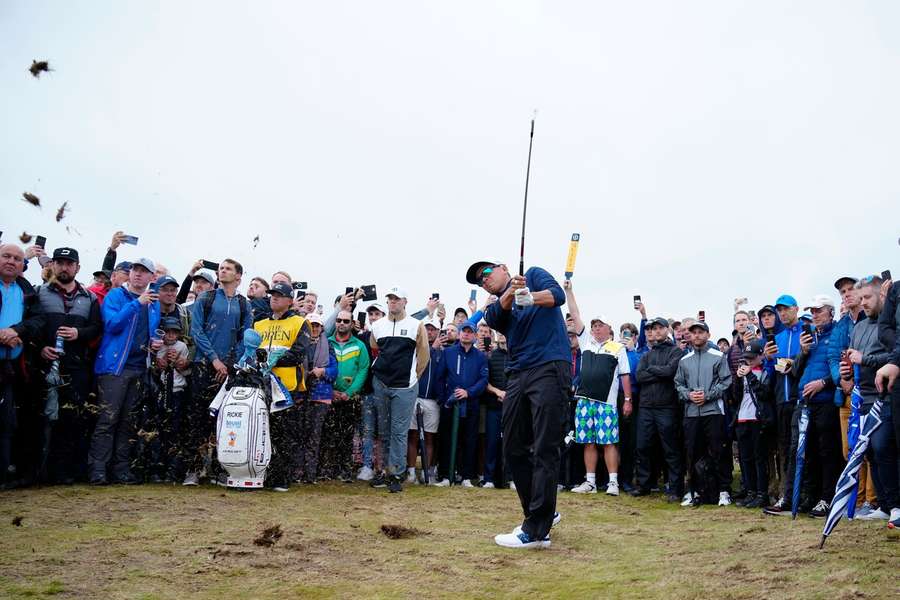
[{"x": 241, "y": 407}]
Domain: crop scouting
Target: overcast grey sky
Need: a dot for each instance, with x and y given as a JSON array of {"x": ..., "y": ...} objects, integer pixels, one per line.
[{"x": 704, "y": 150}]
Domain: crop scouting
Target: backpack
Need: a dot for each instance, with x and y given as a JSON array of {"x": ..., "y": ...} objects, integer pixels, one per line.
[{"x": 206, "y": 300}]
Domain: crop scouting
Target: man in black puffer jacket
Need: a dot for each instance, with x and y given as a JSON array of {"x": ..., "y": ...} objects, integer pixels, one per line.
[{"x": 660, "y": 412}]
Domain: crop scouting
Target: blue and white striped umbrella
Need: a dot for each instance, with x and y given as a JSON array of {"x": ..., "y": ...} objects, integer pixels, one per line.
[
  {"x": 802, "y": 426},
  {"x": 853, "y": 427},
  {"x": 849, "y": 479}
]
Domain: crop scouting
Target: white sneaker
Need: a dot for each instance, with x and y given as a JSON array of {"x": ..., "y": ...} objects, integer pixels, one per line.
[
  {"x": 279, "y": 488},
  {"x": 442, "y": 483},
  {"x": 872, "y": 515},
  {"x": 724, "y": 499},
  {"x": 191, "y": 479},
  {"x": 687, "y": 500},
  {"x": 411, "y": 479},
  {"x": 556, "y": 519},
  {"x": 365, "y": 474},
  {"x": 488, "y": 485},
  {"x": 512, "y": 486},
  {"x": 585, "y": 488},
  {"x": 520, "y": 540},
  {"x": 467, "y": 483},
  {"x": 612, "y": 488}
]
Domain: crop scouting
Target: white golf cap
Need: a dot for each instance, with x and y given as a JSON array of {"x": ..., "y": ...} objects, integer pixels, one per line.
[
  {"x": 377, "y": 306},
  {"x": 397, "y": 291},
  {"x": 432, "y": 322},
  {"x": 820, "y": 301}
]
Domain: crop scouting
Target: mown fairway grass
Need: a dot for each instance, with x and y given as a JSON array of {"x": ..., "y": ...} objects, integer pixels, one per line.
[{"x": 174, "y": 542}]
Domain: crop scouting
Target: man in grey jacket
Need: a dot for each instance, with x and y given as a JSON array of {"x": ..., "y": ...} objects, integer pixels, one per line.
[{"x": 702, "y": 379}]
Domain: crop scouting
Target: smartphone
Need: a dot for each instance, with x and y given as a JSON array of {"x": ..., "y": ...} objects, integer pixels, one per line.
[
  {"x": 154, "y": 288},
  {"x": 627, "y": 334},
  {"x": 807, "y": 329},
  {"x": 701, "y": 316},
  {"x": 349, "y": 290},
  {"x": 435, "y": 295},
  {"x": 40, "y": 241},
  {"x": 130, "y": 239},
  {"x": 361, "y": 318},
  {"x": 298, "y": 285},
  {"x": 299, "y": 294},
  {"x": 770, "y": 338},
  {"x": 487, "y": 343},
  {"x": 886, "y": 274},
  {"x": 472, "y": 295},
  {"x": 208, "y": 264},
  {"x": 369, "y": 293},
  {"x": 637, "y": 300}
]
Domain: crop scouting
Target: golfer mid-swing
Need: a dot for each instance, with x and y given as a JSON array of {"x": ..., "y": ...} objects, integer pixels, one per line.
[{"x": 535, "y": 410}]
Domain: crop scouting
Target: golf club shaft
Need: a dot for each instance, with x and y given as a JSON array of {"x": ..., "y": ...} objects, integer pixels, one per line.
[{"x": 525, "y": 206}]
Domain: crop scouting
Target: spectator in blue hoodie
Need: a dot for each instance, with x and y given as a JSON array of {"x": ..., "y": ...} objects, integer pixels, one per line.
[
  {"x": 465, "y": 370},
  {"x": 817, "y": 389},
  {"x": 130, "y": 318}
]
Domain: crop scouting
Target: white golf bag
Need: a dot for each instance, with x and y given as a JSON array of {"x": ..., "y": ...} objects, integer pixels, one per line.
[{"x": 244, "y": 447}]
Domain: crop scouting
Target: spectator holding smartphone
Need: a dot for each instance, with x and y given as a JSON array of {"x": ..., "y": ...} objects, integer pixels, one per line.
[{"x": 130, "y": 316}]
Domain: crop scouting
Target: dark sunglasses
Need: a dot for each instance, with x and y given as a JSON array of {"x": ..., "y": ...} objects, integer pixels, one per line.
[{"x": 343, "y": 321}]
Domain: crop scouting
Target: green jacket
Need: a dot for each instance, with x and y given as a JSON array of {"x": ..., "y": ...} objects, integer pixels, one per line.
[{"x": 353, "y": 365}]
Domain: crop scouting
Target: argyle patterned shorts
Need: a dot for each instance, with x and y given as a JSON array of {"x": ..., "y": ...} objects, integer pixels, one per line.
[{"x": 596, "y": 422}]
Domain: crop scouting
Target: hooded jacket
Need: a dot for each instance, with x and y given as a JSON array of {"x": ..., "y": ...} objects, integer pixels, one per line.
[
  {"x": 889, "y": 321},
  {"x": 120, "y": 314},
  {"x": 875, "y": 355},
  {"x": 656, "y": 375},
  {"x": 814, "y": 365},
  {"x": 705, "y": 369},
  {"x": 353, "y": 364},
  {"x": 431, "y": 383},
  {"x": 467, "y": 369},
  {"x": 788, "y": 341}
]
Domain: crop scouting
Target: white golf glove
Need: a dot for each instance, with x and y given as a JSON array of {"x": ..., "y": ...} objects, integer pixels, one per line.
[{"x": 524, "y": 297}]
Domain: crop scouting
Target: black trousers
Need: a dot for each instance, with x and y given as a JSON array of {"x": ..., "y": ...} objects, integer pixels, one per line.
[
  {"x": 113, "y": 437},
  {"x": 197, "y": 437},
  {"x": 754, "y": 456},
  {"x": 627, "y": 438},
  {"x": 784, "y": 414},
  {"x": 663, "y": 422},
  {"x": 703, "y": 437},
  {"x": 823, "y": 457},
  {"x": 535, "y": 417},
  {"x": 70, "y": 435}
]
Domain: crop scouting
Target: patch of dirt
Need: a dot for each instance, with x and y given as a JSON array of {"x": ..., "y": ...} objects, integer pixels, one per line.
[
  {"x": 399, "y": 532},
  {"x": 756, "y": 529},
  {"x": 17, "y": 520},
  {"x": 269, "y": 536}
]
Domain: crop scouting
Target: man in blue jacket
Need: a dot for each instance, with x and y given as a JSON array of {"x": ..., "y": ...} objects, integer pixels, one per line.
[
  {"x": 130, "y": 318},
  {"x": 817, "y": 390},
  {"x": 780, "y": 354},
  {"x": 465, "y": 370},
  {"x": 431, "y": 394},
  {"x": 535, "y": 409}
]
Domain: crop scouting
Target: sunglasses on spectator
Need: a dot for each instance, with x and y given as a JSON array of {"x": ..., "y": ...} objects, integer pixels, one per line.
[{"x": 343, "y": 321}]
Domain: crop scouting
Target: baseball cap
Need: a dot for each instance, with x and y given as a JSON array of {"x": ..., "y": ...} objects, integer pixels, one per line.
[
  {"x": 125, "y": 266},
  {"x": 820, "y": 301},
  {"x": 601, "y": 319},
  {"x": 475, "y": 270},
  {"x": 806, "y": 315},
  {"x": 840, "y": 281},
  {"x": 282, "y": 289},
  {"x": 104, "y": 273},
  {"x": 753, "y": 349},
  {"x": 466, "y": 325},
  {"x": 766, "y": 308},
  {"x": 205, "y": 274},
  {"x": 170, "y": 323},
  {"x": 146, "y": 263},
  {"x": 377, "y": 306},
  {"x": 432, "y": 322},
  {"x": 166, "y": 280},
  {"x": 657, "y": 321},
  {"x": 397, "y": 291},
  {"x": 462, "y": 311},
  {"x": 699, "y": 324},
  {"x": 786, "y": 300},
  {"x": 66, "y": 254},
  {"x": 314, "y": 317}
]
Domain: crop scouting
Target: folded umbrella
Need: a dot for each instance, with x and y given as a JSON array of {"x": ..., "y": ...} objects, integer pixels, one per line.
[{"x": 802, "y": 426}]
